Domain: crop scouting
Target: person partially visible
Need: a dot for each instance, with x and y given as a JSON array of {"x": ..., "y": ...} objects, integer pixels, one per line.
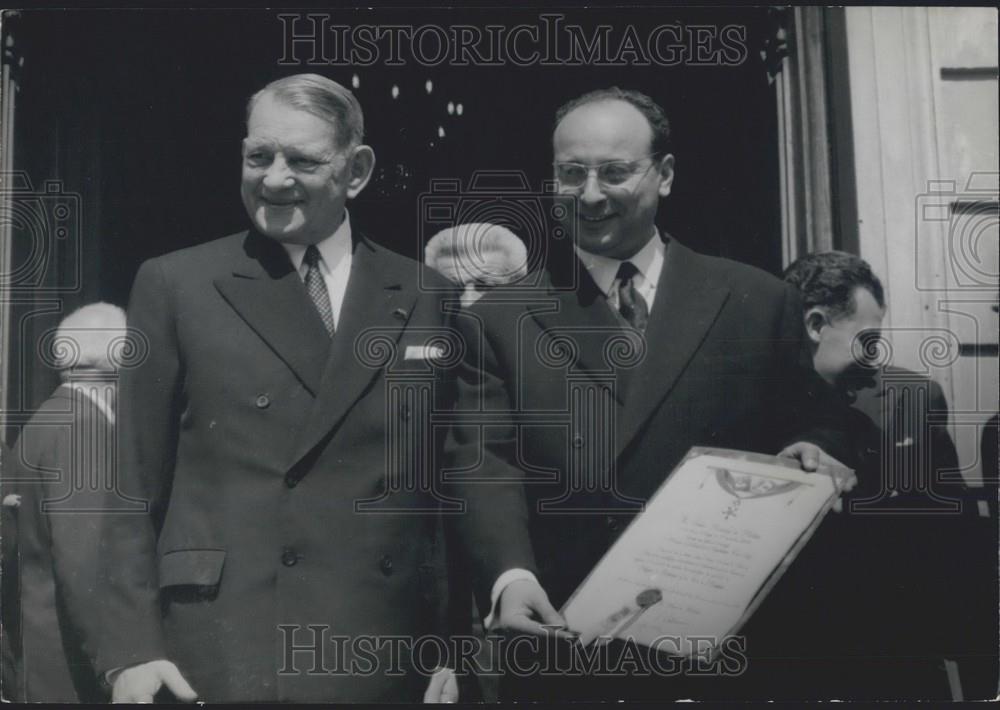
[
  {"x": 477, "y": 256},
  {"x": 980, "y": 667},
  {"x": 9, "y": 614},
  {"x": 988, "y": 451},
  {"x": 843, "y": 308},
  {"x": 914, "y": 564},
  {"x": 59, "y": 466},
  {"x": 442, "y": 687}
]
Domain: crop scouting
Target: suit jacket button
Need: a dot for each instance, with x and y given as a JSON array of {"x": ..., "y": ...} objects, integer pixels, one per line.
[
  {"x": 289, "y": 558},
  {"x": 612, "y": 523},
  {"x": 385, "y": 564},
  {"x": 263, "y": 401},
  {"x": 291, "y": 481},
  {"x": 577, "y": 441}
]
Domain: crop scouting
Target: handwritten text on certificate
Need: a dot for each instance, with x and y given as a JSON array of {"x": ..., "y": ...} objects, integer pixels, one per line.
[{"x": 692, "y": 564}]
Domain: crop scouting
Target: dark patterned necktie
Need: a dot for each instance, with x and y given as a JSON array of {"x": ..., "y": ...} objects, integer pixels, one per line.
[
  {"x": 316, "y": 287},
  {"x": 631, "y": 304}
]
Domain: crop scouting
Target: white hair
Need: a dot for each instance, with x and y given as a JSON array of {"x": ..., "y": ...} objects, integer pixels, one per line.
[
  {"x": 478, "y": 253},
  {"x": 85, "y": 338}
]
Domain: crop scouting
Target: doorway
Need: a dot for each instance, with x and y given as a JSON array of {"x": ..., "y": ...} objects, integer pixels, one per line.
[{"x": 138, "y": 115}]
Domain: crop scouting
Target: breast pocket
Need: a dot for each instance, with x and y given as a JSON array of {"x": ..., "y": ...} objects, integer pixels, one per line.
[{"x": 191, "y": 575}]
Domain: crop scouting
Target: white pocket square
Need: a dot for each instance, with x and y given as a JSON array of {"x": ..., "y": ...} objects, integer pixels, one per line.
[{"x": 423, "y": 352}]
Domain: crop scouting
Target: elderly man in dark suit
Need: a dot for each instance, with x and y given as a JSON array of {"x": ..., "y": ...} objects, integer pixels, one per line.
[
  {"x": 58, "y": 470},
  {"x": 635, "y": 349},
  {"x": 269, "y": 432}
]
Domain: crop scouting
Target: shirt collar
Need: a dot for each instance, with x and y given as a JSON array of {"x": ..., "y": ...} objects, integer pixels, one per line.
[
  {"x": 331, "y": 250},
  {"x": 603, "y": 270},
  {"x": 98, "y": 396}
]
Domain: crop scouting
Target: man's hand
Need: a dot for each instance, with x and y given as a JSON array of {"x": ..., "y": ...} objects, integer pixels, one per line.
[
  {"x": 524, "y": 608},
  {"x": 138, "y": 684},
  {"x": 443, "y": 687},
  {"x": 813, "y": 459}
]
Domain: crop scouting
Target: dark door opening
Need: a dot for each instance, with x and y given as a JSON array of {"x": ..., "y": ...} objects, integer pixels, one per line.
[{"x": 140, "y": 114}]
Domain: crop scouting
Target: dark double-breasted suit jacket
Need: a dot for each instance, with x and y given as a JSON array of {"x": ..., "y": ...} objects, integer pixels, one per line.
[
  {"x": 57, "y": 468},
  {"x": 265, "y": 449},
  {"x": 722, "y": 364}
]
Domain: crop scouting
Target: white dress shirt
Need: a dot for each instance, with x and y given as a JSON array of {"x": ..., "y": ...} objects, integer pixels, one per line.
[
  {"x": 648, "y": 261},
  {"x": 334, "y": 263}
]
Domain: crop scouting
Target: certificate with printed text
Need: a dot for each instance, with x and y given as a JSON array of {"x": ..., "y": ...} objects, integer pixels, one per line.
[{"x": 706, "y": 550}]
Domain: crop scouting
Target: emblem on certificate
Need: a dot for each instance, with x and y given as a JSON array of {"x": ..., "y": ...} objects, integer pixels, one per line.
[{"x": 708, "y": 547}]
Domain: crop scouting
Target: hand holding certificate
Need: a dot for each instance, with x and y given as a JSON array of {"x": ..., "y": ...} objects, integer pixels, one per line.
[{"x": 708, "y": 547}]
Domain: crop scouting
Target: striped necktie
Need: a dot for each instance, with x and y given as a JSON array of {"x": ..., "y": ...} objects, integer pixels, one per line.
[
  {"x": 631, "y": 304},
  {"x": 316, "y": 287}
]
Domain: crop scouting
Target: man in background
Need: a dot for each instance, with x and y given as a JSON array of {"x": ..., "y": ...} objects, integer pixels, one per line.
[
  {"x": 912, "y": 525},
  {"x": 60, "y": 468},
  {"x": 10, "y": 614}
]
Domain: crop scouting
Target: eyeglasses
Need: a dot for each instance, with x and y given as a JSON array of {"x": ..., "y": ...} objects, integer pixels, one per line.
[{"x": 610, "y": 174}]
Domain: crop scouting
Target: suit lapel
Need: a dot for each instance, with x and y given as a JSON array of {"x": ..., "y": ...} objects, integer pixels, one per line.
[
  {"x": 268, "y": 294},
  {"x": 379, "y": 298},
  {"x": 688, "y": 299},
  {"x": 583, "y": 316}
]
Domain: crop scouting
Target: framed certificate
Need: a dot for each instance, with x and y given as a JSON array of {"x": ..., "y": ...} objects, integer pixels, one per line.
[{"x": 710, "y": 544}]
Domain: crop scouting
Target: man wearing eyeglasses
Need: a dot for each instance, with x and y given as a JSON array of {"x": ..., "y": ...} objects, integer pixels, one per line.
[{"x": 652, "y": 349}]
